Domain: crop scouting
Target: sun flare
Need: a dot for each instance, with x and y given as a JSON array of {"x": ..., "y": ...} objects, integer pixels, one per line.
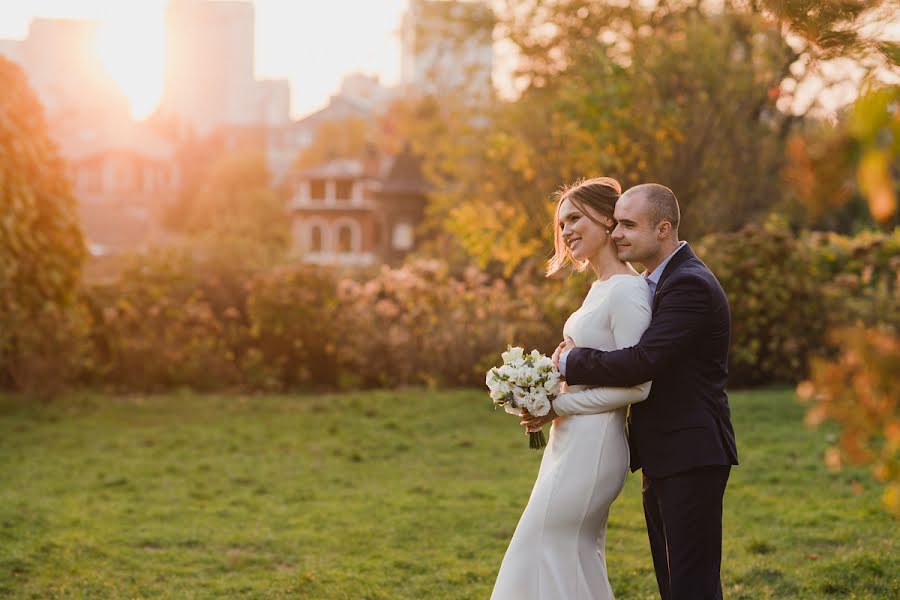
[{"x": 132, "y": 51}]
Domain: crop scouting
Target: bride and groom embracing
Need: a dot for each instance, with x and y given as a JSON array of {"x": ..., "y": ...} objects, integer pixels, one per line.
[{"x": 659, "y": 344}]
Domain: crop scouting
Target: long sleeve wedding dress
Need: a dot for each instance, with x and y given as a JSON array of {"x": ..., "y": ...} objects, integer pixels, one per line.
[{"x": 558, "y": 551}]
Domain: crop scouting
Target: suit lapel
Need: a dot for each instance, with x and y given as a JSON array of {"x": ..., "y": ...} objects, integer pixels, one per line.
[{"x": 682, "y": 255}]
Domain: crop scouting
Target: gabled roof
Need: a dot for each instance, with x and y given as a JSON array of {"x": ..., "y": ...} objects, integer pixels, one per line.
[
  {"x": 404, "y": 175},
  {"x": 131, "y": 139}
]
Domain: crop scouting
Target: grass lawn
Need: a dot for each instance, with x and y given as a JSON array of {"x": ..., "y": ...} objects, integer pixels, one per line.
[{"x": 384, "y": 495}]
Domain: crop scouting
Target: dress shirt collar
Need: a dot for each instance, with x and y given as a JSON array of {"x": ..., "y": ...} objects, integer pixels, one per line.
[{"x": 658, "y": 271}]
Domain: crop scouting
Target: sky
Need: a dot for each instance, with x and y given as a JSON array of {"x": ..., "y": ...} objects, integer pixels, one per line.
[{"x": 312, "y": 43}]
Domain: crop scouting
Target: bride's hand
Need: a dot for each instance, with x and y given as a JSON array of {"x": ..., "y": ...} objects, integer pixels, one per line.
[
  {"x": 533, "y": 423},
  {"x": 556, "y": 353}
]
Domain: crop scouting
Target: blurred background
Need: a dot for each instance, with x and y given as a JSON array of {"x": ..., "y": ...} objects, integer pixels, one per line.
[{"x": 308, "y": 197}]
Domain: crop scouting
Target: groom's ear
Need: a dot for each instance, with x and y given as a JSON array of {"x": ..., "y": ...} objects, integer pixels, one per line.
[{"x": 663, "y": 230}]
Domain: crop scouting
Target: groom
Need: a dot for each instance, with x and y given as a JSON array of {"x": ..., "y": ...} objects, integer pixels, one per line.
[{"x": 681, "y": 436}]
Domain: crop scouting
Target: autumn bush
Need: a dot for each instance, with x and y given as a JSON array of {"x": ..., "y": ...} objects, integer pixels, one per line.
[
  {"x": 293, "y": 321},
  {"x": 777, "y": 307},
  {"x": 862, "y": 275},
  {"x": 422, "y": 325},
  {"x": 788, "y": 290},
  {"x": 167, "y": 321},
  {"x": 208, "y": 321}
]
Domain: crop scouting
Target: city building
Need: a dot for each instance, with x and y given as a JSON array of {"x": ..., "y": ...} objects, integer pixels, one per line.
[
  {"x": 357, "y": 212},
  {"x": 447, "y": 48},
  {"x": 360, "y": 96},
  {"x": 123, "y": 180},
  {"x": 209, "y": 68},
  {"x": 59, "y": 57}
]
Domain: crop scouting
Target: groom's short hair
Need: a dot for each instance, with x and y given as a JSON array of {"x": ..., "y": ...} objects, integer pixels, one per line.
[{"x": 661, "y": 202}]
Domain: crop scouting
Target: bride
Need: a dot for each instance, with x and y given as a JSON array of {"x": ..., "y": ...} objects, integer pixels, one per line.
[{"x": 558, "y": 551}]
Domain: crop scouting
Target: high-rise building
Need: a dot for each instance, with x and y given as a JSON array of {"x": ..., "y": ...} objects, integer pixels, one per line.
[
  {"x": 60, "y": 59},
  {"x": 209, "y": 68},
  {"x": 447, "y": 48}
]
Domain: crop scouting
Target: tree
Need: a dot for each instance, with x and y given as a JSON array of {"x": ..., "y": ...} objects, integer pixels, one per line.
[
  {"x": 41, "y": 245},
  {"x": 695, "y": 95},
  {"x": 235, "y": 208},
  {"x": 346, "y": 138}
]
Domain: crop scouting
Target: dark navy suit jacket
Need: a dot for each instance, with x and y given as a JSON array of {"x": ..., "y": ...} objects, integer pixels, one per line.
[{"x": 685, "y": 423}]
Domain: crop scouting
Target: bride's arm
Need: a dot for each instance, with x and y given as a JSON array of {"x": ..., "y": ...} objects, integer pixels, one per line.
[{"x": 629, "y": 311}]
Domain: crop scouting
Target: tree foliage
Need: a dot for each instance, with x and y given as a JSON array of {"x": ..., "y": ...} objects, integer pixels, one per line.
[
  {"x": 235, "y": 206},
  {"x": 696, "y": 95},
  {"x": 346, "y": 138},
  {"x": 41, "y": 245}
]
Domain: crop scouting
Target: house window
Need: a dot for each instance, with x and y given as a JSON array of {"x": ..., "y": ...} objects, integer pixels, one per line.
[
  {"x": 317, "y": 189},
  {"x": 343, "y": 189},
  {"x": 402, "y": 237},
  {"x": 315, "y": 238},
  {"x": 344, "y": 239}
]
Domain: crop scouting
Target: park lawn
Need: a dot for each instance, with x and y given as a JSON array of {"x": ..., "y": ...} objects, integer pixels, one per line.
[{"x": 386, "y": 495}]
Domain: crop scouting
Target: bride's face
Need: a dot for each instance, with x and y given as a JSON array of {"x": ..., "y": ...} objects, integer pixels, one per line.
[{"x": 583, "y": 231}]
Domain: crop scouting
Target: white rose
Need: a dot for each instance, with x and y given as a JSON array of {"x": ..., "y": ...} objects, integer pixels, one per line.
[
  {"x": 528, "y": 377},
  {"x": 491, "y": 380},
  {"x": 545, "y": 363},
  {"x": 540, "y": 406},
  {"x": 497, "y": 395},
  {"x": 513, "y": 355},
  {"x": 520, "y": 396},
  {"x": 507, "y": 372},
  {"x": 551, "y": 387}
]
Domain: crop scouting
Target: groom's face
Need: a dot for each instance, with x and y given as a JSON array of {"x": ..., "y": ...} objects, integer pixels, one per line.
[{"x": 635, "y": 236}]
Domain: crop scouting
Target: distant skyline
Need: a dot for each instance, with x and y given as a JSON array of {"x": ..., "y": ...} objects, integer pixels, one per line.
[{"x": 312, "y": 43}]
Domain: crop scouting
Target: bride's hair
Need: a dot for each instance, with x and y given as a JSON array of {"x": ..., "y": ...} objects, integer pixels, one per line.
[{"x": 600, "y": 195}]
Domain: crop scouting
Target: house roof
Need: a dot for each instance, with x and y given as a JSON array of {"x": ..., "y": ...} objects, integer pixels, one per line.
[
  {"x": 86, "y": 144},
  {"x": 404, "y": 175},
  {"x": 399, "y": 174}
]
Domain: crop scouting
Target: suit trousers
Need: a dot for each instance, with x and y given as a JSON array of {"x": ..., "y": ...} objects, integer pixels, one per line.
[{"x": 684, "y": 524}]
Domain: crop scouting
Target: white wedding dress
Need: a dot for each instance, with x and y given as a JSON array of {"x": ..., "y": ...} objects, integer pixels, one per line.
[{"x": 558, "y": 551}]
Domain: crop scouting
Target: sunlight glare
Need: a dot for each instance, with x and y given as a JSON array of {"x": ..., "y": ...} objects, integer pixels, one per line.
[{"x": 131, "y": 49}]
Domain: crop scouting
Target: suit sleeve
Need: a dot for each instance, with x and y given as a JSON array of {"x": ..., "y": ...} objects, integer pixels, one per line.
[
  {"x": 678, "y": 321},
  {"x": 629, "y": 316}
]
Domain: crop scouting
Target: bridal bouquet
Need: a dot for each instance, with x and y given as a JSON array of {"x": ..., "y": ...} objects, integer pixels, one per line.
[{"x": 528, "y": 381}]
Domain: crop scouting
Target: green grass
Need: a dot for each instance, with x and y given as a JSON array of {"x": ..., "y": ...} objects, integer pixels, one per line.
[{"x": 382, "y": 495}]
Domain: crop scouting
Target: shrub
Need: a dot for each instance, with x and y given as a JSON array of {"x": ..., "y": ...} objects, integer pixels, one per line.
[
  {"x": 420, "y": 325},
  {"x": 777, "y": 305},
  {"x": 157, "y": 326},
  {"x": 294, "y": 329},
  {"x": 861, "y": 277}
]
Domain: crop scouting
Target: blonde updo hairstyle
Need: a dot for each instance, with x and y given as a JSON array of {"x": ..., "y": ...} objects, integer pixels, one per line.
[{"x": 594, "y": 196}]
